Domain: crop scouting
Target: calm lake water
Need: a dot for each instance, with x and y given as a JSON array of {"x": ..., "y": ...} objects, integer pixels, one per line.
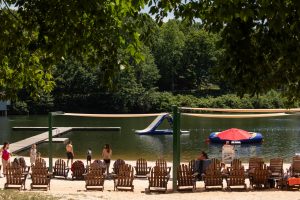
[{"x": 281, "y": 137}]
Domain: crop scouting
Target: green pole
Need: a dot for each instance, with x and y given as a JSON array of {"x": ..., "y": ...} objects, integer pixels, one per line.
[
  {"x": 176, "y": 144},
  {"x": 50, "y": 141}
]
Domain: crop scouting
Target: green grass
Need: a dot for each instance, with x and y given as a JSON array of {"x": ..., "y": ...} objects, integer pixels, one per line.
[{"x": 16, "y": 195}]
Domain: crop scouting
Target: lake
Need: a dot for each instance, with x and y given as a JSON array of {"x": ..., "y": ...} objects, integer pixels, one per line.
[{"x": 281, "y": 137}]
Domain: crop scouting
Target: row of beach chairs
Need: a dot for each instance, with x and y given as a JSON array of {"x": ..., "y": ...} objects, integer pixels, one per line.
[{"x": 259, "y": 174}]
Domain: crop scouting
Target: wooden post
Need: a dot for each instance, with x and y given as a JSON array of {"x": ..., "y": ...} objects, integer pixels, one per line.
[
  {"x": 176, "y": 144},
  {"x": 50, "y": 141}
]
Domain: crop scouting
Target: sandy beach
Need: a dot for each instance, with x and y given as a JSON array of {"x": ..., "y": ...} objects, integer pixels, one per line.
[{"x": 75, "y": 189}]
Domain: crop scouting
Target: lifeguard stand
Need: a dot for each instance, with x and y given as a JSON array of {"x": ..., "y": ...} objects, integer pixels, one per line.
[{"x": 228, "y": 153}]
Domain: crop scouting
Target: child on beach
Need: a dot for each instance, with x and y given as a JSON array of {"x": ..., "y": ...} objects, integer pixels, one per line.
[
  {"x": 70, "y": 153},
  {"x": 89, "y": 156},
  {"x": 33, "y": 154},
  {"x": 5, "y": 156}
]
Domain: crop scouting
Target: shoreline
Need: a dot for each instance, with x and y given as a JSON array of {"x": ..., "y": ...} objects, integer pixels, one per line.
[{"x": 75, "y": 189}]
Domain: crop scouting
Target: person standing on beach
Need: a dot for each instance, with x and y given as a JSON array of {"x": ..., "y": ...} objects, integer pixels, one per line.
[
  {"x": 106, "y": 155},
  {"x": 5, "y": 156},
  {"x": 70, "y": 153},
  {"x": 33, "y": 154},
  {"x": 89, "y": 156}
]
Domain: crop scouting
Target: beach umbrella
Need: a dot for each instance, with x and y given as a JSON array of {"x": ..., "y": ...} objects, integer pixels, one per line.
[{"x": 234, "y": 134}]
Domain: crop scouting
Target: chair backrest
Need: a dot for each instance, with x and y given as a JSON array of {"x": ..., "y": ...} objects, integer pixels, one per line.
[
  {"x": 261, "y": 175},
  {"x": 60, "y": 167},
  {"x": 255, "y": 162},
  {"x": 215, "y": 164},
  {"x": 236, "y": 177},
  {"x": 13, "y": 174},
  {"x": 141, "y": 167},
  {"x": 125, "y": 176},
  {"x": 96, "y": 169},
  {"x": 40, "y": 162},
  {"x": 161, "y": 163},
  {"x": 39, "y": 175},
  {"x": 98, "y": 161},
  {"x": 22, "y": 162},
  {"x": 158, "y": 178},
  {"x": 192, "y": 165},
  {"x": 185, "y": 176},
  {"x": 236, "y": 164},
  {"x": 295, "y": 166},
  {"x": 38, "y": 170},
  {"x": 77, "y": 169},
  {"x": 276, "y": 165},
  {"x": 213, "y": 176},
  {"x": 117, "y": 165}
]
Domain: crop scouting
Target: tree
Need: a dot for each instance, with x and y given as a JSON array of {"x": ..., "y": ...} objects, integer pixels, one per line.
[
  {"x": 199, "y": 57},
  {"x": 167, "y": 52},
  {"x": 260, "y": 38},
  {"x": 36, "y": 35}
]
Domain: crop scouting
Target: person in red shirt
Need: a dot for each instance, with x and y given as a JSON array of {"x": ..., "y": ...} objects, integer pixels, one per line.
[{"x": 5, "y": 156}]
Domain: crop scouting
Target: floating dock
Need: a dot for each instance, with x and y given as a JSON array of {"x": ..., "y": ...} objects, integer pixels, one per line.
[
  {"x": 43, "y": 137},
  {"x": 73, "y": 128},
  {"x": 58, "y": 140}
]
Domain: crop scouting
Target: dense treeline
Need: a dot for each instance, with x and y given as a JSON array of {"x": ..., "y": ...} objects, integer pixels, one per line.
[{"x": 178, "y": 68}]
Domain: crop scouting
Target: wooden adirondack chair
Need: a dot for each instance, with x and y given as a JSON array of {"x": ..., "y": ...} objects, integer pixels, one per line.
[
  {"x": 14, "y": 177},
  {"x": 185, "y": 179},
  {"x": 236, "y": 177},
  {"x": 40, "y": 178},
  {"x": 276, "y": 168},
  {"x": 141, "y": 168},
  {"x": 158, "y": 180},
  {"x": 60, "y": 168},
  {"x": 94, "y": 179},
  {"x": 162, "y": 164},
  {"x": 295, "y": 167},
  {"x": 260, "y": 177},
  {"x": 124, "y": 179},
  {"x": 77, "y": 170},
  {"x": 117, "y": 165},
  {"x": 213, "y": 176}
]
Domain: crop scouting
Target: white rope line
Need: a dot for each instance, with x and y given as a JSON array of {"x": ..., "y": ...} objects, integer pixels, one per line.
[
  {"x": 236, "y": 116},
  {"x": 243, "y": 110},
  {"x": 113, "y": 115}
]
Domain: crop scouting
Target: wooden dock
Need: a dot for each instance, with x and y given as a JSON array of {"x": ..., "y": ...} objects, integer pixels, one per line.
[
  {"x": 58, "y": 140},
  {"x": 26, "y": 143},
  {"x": 73, "y": 128},
  {"x": 43, "y": 137}
]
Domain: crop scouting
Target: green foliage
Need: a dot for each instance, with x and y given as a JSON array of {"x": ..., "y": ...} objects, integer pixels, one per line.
[
  {"x": 36, "y": 35},
  {"x": 260, "y": 41},
  {"x": 146, "y": 71},
  {"x": 21, "y": 67},
  {"x": 162, "y": 102},
  {"x": 19, "y": 107},
  {"x": 199, "y": 58},
  {"x": 167, "y": 52}
]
